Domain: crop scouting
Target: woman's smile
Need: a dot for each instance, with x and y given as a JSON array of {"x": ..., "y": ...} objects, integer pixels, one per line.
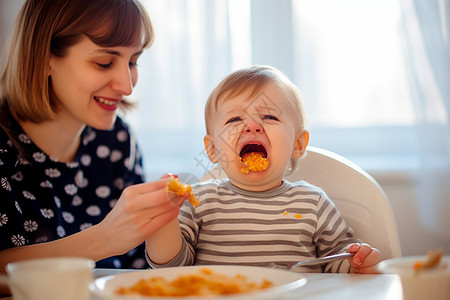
[{"x": 108, "y": 104}]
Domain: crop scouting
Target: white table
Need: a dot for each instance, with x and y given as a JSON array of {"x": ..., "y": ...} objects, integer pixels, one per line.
[{"x": 333, "y": 286}]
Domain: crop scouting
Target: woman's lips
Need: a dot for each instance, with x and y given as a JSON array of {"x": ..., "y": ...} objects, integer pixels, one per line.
[{"x": 107, "y": 103}]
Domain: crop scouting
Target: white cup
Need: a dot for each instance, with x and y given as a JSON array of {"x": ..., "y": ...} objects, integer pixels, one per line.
[
  {"x": 58, "y": 278},
  {"x": 433, "y": 283}
]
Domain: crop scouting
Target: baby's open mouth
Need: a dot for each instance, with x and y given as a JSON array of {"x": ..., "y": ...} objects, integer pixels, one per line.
[
  {"x": 253, "y": 148},
  {"x": 254, "y": 157}
]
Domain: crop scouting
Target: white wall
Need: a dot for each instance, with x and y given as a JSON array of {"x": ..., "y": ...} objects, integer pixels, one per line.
[
  {"x": 414, "y": 238},
  {"x": 8, "y": 12}
]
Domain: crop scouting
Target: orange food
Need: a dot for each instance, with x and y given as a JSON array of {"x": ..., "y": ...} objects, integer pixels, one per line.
[
  {"x": 433, "y": 259},
  {"x": 297, "y": 216},
  {"x": 203, "y": 283},
  {"x": 254, "y": 162},
  {"x": 180, "y": 188}
]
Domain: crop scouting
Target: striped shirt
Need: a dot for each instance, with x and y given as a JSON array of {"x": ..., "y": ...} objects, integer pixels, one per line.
[{"x": 294, "y": 222}]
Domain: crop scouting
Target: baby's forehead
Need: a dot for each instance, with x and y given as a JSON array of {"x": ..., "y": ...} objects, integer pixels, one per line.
[
  {"x": 268, "y": 98},
  {"x": 258, "y": 104}
]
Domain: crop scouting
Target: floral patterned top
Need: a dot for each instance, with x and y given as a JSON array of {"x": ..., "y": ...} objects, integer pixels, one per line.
[{"x": 42, "y": 199}]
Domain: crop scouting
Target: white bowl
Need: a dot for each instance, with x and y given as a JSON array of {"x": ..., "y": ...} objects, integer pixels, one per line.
[
  {"x": 431, "y": 283},
  {"x": 284, "y": 282}
]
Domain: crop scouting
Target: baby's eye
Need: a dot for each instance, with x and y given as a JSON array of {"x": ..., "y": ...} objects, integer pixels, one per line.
[
  {"x": 234, "y": 119},
  {"x": 270, "y": 117}
]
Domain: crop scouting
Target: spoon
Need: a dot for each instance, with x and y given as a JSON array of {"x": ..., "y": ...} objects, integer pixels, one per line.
[{"x": 318, "y": 261}]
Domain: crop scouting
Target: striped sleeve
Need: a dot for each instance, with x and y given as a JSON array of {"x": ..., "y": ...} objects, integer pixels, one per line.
[{"x": 332, "y": 235}]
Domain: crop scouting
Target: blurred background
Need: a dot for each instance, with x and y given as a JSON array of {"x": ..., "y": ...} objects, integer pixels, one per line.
[{"x": 374, "y": 76}]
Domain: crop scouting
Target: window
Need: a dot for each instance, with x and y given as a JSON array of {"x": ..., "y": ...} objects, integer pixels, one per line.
[
  {"x": 354, "y": 80},
  {"x": 344, "y": 55}
]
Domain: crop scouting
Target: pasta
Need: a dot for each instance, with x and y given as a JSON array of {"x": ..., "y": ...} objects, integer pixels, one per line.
[
  {"x": 433, "y": 259},
  {"x": 180, "y": 188},
  {"x": 254, "y": 162},
  {"x": 205, "y": 282}
]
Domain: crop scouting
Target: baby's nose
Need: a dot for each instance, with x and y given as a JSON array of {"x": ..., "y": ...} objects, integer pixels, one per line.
[{"x": 253, "y": 127}]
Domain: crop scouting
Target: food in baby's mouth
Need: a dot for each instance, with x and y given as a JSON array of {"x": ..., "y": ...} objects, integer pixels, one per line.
[
  {"x": 254, "y": 162},
  {"x": 433, "y": 259},
  {"x": 180, "y": 188}
]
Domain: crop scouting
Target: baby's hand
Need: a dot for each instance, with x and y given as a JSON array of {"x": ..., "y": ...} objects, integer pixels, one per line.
[{"x": 365, "y": 260}]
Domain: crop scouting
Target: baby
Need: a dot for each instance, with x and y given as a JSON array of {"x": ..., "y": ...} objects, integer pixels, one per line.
[{"x": 256, "y": 132}]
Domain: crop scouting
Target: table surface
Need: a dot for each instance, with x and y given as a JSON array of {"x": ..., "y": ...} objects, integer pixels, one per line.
[{"x": 332, "y": 286}]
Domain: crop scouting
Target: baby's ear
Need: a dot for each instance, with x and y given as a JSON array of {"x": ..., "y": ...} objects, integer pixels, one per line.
[
  {"x": 210, "y": 148},
  {"x": 301, "y": 142}
]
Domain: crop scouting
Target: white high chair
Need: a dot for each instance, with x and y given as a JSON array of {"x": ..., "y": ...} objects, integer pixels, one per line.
[{"x": 359, "y": 198}]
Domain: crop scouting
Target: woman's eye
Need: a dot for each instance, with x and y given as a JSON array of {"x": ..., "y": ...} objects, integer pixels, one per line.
[
  {"x": 104, "y": 66},
  {"x": 133, "y": 64},
  {"x": 270, "y": 117},
  {"x": 234, "y": 119}
]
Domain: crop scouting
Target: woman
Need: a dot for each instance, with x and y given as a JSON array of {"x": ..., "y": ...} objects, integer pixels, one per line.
[{"x": 70, "y": 172}]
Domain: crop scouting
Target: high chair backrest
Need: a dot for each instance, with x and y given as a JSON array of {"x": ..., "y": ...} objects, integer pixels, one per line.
[{"x": 359, "y": 198}]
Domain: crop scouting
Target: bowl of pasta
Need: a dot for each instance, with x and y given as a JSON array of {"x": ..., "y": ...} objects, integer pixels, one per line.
[
  {"x": 422, "y": 277},
  {"x": 196, "y": 282}
]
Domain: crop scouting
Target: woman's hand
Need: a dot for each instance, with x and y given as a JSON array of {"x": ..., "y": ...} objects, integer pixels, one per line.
[
  {"x": 141, "y": 210},
  {"x": 365, "y": 259}
]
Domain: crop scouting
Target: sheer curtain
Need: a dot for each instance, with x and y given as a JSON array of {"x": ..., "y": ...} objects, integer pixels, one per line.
[
  {"x": 426, "y": 25},
  {"x": 344, "y": 55},
  {"x": 191, "y": 53},
  {"x": 374, "y": 77}
]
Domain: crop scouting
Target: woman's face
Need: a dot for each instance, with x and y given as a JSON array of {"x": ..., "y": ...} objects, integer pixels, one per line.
[{"x": 90, "y": 81}]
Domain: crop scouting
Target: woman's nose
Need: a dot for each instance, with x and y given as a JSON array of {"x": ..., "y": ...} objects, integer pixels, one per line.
[
  {"x": 123, "y": 82},
  {"x": 252, "y": 126}
]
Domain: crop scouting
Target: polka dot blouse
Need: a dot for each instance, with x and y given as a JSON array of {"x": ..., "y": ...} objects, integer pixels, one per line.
[{"x": 42, "y": 199}]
